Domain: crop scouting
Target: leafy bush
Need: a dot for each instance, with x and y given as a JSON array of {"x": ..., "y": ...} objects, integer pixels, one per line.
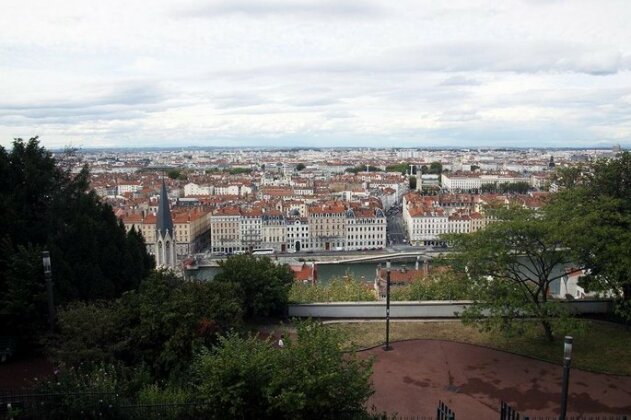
[
  {"x": 445, "y": 285},
  {"x": 337, "y": 290},
  {"x": 310, "y": 377}
]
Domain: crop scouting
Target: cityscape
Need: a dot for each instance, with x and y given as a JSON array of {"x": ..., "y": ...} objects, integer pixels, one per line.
[{"x": 315, "y": 209}]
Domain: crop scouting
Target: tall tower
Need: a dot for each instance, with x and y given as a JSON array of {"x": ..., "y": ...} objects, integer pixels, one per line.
[{"x": 165, "y": 238}]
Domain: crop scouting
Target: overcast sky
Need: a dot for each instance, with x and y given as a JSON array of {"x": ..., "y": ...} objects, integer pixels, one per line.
[{"x": 304, "y": 72}]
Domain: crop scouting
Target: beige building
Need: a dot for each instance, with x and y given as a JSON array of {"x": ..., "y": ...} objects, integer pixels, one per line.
[
  {"x": 327, "y": 222},
  {"x": 225, "y": 228}
]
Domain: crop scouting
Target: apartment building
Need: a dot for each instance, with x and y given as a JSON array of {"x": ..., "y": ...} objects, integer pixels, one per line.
[
  {"x": 297, "y": 234},
  {"x": 327, "y": 223},
  {"x": 467, "y": 181},
  {"x": 365, "y": 228},
  {"x": 225, "y": 228},
  {"x": 273, "y": 231}
]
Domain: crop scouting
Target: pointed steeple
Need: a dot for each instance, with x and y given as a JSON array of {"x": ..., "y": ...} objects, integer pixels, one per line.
[{"x": 164, "y": 221}]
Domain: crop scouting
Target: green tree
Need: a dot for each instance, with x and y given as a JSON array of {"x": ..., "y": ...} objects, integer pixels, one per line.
[
  {"x": 301, "y": 166},
  {"x": 593, "y": 213},
  {"x": 436, "y": 168},
  {"x": 265, "y": 285},
  {"x": 174, "y": 173},
  {"x": 362, "y": 168},
  {"x": 512, "y": 264},
  {"x": 310, "y": 378},
  {"x": 412, "y": 182},
  {"x": 43, "y": 206},
  {"x": 158, "y": 327},
  {"x": 402, "y": 168},
  {"x": 239, "y": 171}
]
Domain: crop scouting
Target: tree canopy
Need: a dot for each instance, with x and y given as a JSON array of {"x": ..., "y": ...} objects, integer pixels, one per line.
[
  {"x": 265, "y": 285},
  {"x": 158, "y": 326},
  {"x": 44, "y": 207},
  {"x": 593, "y": 213},
  {"x": 311, "y": 377},
  {"x": 512, "y": 263}
]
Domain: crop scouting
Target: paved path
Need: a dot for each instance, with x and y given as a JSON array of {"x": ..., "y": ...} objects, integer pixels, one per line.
[{"x": 472, "y": 380}]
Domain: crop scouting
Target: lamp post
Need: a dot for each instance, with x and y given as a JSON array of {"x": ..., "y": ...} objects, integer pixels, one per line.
[
  {"x": 48, "y": 273},
  {"x": 567, "y": 360},
  {"x": 387, "y": 347}
]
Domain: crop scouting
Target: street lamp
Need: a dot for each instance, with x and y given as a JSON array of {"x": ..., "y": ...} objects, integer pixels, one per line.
[
  {"x": 48, "y": 273},
  {"x": 387, "y": 347},
  {"x": 567, "y": 360}
]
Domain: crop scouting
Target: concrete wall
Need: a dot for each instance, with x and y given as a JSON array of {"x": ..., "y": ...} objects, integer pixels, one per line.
[{"x": 425, "y": 309}]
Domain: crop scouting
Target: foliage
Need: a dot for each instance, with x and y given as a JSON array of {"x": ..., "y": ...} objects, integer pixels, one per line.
[
  {"x": 88, "y": 332},
  {"x": 435, "y": 168},
  {"x": 412, "y": 181},
  {"x": 337, "y": 290},
  {"x": 176, "y": 174},
  {"x": 511, "y": 264},
  {"x": 43, "y": 207},
  {"x": 402, "y": 168},
  {"x": 442, "y": 285},
  {"x": 157, "y": 327},
  {"x": 507, "y": 188},
  {"x": 593, "y": 214},
  {"x": 265, "y": 285},
  {"x": 362, "y": 168},
  {"x": 153, "y": 395},
  {"x": 239, "y": 171},
  {"x": 23, "y": 299},
  {"x": 309, "y": 378},
  {"x": 86, "y": 391},
  {"x": 301, "y": 166}
]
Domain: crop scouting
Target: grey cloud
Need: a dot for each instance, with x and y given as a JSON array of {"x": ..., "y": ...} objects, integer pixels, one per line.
[
  {"x": 331, "y": 8},
  {"x": 456, "y": 57},
  {"x": 459, "y": 81},
  {"x": 125, "y": 101}
]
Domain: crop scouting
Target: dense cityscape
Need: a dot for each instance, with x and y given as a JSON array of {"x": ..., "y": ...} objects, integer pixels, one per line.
[{"x": 315, "y": 209}]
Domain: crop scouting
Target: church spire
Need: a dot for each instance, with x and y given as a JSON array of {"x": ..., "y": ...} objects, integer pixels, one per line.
[{"x": 164, "y": 222}]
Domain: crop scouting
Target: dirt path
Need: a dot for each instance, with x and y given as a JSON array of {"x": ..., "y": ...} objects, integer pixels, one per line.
[{"x": 472, "y": 380}]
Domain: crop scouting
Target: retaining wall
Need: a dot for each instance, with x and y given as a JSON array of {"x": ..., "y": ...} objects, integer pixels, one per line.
[{"x": 424, "y": 309}]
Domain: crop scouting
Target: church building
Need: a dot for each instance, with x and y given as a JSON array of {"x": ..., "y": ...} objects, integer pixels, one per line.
[{"x": 165, "y": 237}]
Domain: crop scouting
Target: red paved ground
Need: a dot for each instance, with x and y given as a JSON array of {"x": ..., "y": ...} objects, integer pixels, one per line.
[{"x": 472, "y": 380}]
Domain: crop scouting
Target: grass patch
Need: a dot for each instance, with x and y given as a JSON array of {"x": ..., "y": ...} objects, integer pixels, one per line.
[{"x": 598, "y": 347}]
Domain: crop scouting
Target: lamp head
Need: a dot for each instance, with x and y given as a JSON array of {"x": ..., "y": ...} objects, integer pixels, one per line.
[
  {"x": 46, "y": 261},
  {"x": 567, "y": 347},
  {"x": 388, "y": 265}
]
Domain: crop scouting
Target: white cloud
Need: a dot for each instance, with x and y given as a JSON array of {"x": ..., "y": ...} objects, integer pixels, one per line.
[{"x": 354, "y": 72}]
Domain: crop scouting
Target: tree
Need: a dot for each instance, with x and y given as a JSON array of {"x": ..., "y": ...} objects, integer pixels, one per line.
[
  {"x": 43, "y": 206},
  {"x": 159, "y": 326},
  {"x": 310, "y": 378},
  {"x": 174, "y": 173},
  {"x": 357, "y": 169},
  {"x": 265, "y": 285},
  {"x": 593, "y": 213},
  {"x": 512, "y": 264},
  {"x": 301, "y": 166},
  {"x": 436, "y": 168},
  {"x": 399, "y": 167},
  {"x": 412, "y": 182}
]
